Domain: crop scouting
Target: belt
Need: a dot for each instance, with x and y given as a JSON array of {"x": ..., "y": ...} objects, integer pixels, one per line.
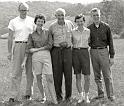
[
  {"x": 20, "y": 42},
  {"x": 79, "y": 48},
  {"x": 61, "y": 47},
  {"x": 98, "y": 47}
]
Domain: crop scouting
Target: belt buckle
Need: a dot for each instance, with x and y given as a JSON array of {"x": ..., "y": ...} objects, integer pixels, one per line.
[
  {"x": 20, "y": 42},
  {"x": 24, "y": 42},
  {"x": 98, "y": 47},
  {"x": 101, "y": 47},
  {"x": 79, "y": 48}
]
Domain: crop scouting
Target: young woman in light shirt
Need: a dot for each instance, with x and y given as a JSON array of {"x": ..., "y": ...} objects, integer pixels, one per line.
[{"x": 80, "y": 57}]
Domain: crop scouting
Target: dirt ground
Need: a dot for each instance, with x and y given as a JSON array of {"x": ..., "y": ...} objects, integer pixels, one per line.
[{"x": 117, "y": 70}]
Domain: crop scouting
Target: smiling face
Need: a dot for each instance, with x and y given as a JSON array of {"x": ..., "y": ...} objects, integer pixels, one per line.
[
  {"x": 60, "y": 16},
  {"x": 95, "y": 16},
  {"x": 39, "y": 23},
  {"x": 80, "y": 22},
  {"x": 23, "y": 11}
]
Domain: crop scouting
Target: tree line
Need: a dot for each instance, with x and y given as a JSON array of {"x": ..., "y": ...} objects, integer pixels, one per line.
[{"x": 112, "y": 12}]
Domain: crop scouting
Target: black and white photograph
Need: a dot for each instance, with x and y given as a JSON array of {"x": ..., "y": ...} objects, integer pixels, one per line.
[{"x": 61, "y": 52}]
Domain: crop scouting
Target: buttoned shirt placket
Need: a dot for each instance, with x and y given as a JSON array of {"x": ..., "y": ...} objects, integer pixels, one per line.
[
  {"x": 63, "y": 32},
  {"x": 81, "y": 37},
  {"x": 97, "y": 28}
]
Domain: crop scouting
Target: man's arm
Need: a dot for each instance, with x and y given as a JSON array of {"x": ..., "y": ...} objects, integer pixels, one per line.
[
  {"x": 110, "y": 43},
  {"x": 89, "y": 39},
  {"x": 111, "y": 47},
  {"x": 10, "y": 43},
  {"x": 24, "y": 61}
]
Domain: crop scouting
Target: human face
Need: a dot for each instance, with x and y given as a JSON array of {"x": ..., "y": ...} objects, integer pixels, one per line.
[
  {"x": 60, "y": 16},
  {"x": 39, "y": 23},
  {"x": 96, "y": 16},
  {"x": 80, "y": 22},
  {"x": 23, "y": 11}
]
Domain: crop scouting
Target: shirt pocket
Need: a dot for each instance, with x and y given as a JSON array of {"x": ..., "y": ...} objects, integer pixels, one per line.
[
  {"x": 103, "y": 35},
  {"x": 36, "y": 41},
  {"x": 69, "y": 35}
]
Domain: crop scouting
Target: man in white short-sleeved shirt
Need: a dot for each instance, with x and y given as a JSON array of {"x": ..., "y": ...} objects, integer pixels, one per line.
[
  {"x": 19, "y": 30},
  {"x": 21, "y": 27}
]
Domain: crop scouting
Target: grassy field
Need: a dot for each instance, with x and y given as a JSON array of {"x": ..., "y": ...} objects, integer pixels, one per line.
[{"x": 117, "y": 69}]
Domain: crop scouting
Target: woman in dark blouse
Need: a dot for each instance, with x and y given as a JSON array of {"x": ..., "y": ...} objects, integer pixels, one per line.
[{"x": 39, "y": 44}]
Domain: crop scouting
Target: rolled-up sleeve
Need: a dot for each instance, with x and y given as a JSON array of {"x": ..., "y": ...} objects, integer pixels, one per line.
[
  {"x": 29, "y": 44},
  {"x": 49, "y": 41}
]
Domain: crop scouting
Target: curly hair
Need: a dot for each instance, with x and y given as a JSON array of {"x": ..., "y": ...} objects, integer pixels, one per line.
[
  {"x": 78, "y": 17},
  {"x": 40, "y": 16}
]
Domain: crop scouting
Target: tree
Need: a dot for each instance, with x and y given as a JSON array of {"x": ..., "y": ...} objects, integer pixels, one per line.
[{"x": 113, "y": 13}]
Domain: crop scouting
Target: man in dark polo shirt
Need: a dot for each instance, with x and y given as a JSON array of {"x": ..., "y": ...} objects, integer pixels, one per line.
[{"x": 102, "y": 54}]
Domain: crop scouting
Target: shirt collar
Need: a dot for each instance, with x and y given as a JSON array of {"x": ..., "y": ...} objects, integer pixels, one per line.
[
  {"x": 65, "y": 23},
  {"x": 98, "y": 25},
  {"x": 42, "y": 30},
  {"x": 76, "y": 29}
]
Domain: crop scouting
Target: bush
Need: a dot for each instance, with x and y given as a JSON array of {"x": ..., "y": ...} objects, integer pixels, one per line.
[
  {"x": 116, "y": 36},
  {"x": 122, "y": 35}
]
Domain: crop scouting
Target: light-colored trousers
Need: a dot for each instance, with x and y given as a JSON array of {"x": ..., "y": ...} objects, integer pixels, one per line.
[
  {"x": 101, "y": 65},
  {"x": 41, "y": 62},
  {"x": 18, "y": 57}
]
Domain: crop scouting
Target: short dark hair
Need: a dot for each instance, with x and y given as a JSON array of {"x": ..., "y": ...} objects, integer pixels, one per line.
[
  {"x": 78, "y": 17},
  {"x": 95, "y": 10},
  {"x": 40, "y": 16}
]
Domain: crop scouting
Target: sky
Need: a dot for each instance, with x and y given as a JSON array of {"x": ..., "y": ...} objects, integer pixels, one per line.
[{"x": 70, "y": 1}]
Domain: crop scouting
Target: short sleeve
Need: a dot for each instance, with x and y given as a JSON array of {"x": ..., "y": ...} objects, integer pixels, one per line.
[{"x": 11, "y": 25}]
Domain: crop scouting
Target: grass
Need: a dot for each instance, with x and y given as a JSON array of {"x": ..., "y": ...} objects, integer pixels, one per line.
[{"x": 117, "y": 70}]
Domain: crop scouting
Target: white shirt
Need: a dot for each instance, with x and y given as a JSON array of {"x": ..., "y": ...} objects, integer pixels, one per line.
[
  {"x": 80, "y": 39},
  {"x": 22, "y": 28}
]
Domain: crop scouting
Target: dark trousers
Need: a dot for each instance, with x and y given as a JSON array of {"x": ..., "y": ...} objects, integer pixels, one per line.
[{"x": 62, "y": 64}]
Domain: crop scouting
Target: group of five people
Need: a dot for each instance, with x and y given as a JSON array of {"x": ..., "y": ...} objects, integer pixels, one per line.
[{"x": 53, "y": 52}]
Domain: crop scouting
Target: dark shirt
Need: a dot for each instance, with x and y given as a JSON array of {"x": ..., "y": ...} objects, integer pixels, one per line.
[
  {"x": 101, "y": 37},
  {"x": 37, "y": 40}
]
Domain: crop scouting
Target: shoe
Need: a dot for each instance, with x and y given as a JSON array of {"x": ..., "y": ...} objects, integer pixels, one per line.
[
  {"x": 81, "y": 97},
  {"x": 11, "y": 100},
  {"x": 60, "y": 101},
  {"x": 27, "y": 97},
  {"x": 112, "y": 99},
  {"x": 98, "y": 97},
  {"x": 14, "y": 100},
  {"x": 51, "y": 104},
  {"x": 43, "y": 100},
  {"x": 87, "y": 98},
  {"x": 67, "y": 100}
]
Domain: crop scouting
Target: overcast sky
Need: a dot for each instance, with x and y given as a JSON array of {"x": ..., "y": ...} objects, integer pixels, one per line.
[{"x": 70, "y": 1}]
